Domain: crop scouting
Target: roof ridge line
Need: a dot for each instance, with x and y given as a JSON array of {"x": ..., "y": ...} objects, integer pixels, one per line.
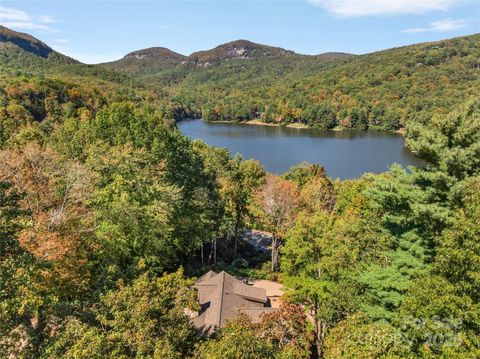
[{"x": 221, "y": 298}]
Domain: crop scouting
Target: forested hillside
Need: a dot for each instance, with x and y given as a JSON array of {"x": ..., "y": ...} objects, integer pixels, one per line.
[
  {"x": 146, "y": 61},
  {"x": 108, "y": 213},
  {"x": 31, "y": 45},
  {"x": 42, "y": 92},
  {"x": 379, "y": 91}
]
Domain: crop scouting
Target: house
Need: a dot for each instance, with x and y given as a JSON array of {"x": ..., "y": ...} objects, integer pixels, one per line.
[
  {"x": 222, "y": 297},
  {"x": 274, "y": 290}
]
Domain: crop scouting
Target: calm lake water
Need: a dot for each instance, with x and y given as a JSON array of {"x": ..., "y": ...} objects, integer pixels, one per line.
[{"x": 344, "y": 154}]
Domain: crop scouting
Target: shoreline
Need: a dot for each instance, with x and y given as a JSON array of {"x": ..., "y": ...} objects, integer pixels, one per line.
[
  {"x": 400, "y": 131},
  {"x": 290, "y": 125},
  {"x": 260, "y": 123}
]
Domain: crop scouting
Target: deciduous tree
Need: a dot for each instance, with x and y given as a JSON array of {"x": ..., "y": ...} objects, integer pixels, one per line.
[
  {"x": 277, "y": 203},
  {"x": 144, "y": 319}
]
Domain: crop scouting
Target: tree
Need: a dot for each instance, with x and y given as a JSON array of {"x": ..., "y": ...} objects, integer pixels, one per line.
[
  {"x": 302, "y": 173},
  {"x": 359, "y": 119},
  {"x": 458, "y": 248},
  {"x": 10, "y": 213},
  {"x": 145, "y": 319},
  {"x": 319, "y": 194},
  {"x": 318, "y": 263},
  {"x": 320, "y": 116},
  {"x": 410, "y": 218},
  {"x": 415, "y": 208},
  {"x": 450, "y": 143},
  {"x": 27, "y": 306},
  {"x": 391, "y": 121},
  {"x": 18, "y": 114},
  {"x": 160, "y": 207},
  {"x": 445, "y": 300},
  {"x": 236, "y": 180},
  {"x": 237, "y": 340},
  {"x": 236, "y": 186},
  {"x": 277, "y": 204},
  {"x": 25, "y": 302},
  {"x": 316, "y": 189},
  {"x": 134, "y": 207},
  {"x": 280, "y": 334},
  {"x": 46, "y": 263},
  {"x": 357, "y": 337},
  {"x": 59, "y": 221},
  {"x": 287, "y": 330}
]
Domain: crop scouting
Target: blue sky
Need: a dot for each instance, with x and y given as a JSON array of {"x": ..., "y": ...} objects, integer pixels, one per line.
[{"x": 98, "y": 31}]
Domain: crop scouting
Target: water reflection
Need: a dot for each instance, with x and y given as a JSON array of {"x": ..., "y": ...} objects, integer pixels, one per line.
[{"x": 344, "y": 154}]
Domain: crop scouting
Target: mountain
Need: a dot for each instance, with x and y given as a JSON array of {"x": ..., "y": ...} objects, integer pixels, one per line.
[
  {"x": 9, "y": 39},
  {"x": 25, "y": 41},
  {"x": 146, "y": 61},
  {"x": 333, "y": 56},
  {"x": 159, "y": 66},
  {"x": 247, "y": 50},
  {"x": 381, "y": 90},
  {"x": 242, "y": 80},
  {"x": 156, "y": 53},
  {"x": 155, "y": 59},
  {"x": 25, "y": 55},
  {"x": 237, "y": 50}
]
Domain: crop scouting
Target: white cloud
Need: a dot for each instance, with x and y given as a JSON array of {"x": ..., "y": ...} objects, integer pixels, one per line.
[
  {"x": 439, "y": 26},
  {"x": 355, "y": 8},
  {"x": 20, "y": 20},
  {"x": 25, "y": 25},
  {"x": 13, "y": 14},
  {"x": 46, "y": 19}
]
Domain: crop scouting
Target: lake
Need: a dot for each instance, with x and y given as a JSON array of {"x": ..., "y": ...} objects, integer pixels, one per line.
[{"x": 344, "y": 154}]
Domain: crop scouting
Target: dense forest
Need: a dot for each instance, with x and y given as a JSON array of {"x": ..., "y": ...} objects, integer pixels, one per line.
[
  {"x": 382, "y": 90},
  {"x": 108, "y": 213}
]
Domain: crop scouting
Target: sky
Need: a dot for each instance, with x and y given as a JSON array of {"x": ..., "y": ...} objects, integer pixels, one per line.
[{"x": 100, "y": 31}]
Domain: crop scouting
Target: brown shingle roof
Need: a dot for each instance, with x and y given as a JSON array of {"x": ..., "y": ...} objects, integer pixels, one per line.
[{"x": 222, "y": 296}]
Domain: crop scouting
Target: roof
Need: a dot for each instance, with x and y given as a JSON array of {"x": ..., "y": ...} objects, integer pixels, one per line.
[
  {"x": 222, "y": 297},
  {"x": 273, "y": 289},
  {"x": 207, "y": 275}
]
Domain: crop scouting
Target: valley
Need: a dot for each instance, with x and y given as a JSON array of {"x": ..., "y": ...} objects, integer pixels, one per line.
[{"x": 285, "y": 224}]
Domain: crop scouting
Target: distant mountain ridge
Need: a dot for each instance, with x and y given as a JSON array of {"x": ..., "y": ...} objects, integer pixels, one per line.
[
  {"x": 233, "y": 50},
  {"x": 145, "y": 61},
  {"x": 156, "y": 59},
  {"x": 242, "y": 80},
  {"x": 237, "y": 50},
  {"x": 155, "y": 52},
  {"x": 31, "y": 45}
]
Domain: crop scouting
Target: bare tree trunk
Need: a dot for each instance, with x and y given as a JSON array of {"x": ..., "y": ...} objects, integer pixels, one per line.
[
  {"x": 235, "y": 241},
  {"x": 215, "y": 250},
  {"x": 320, "y": 332},
  {"x": 319, "y": 337},
  {"x": 275, "y": 254},
  {"x": 235, "y": 236}
]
